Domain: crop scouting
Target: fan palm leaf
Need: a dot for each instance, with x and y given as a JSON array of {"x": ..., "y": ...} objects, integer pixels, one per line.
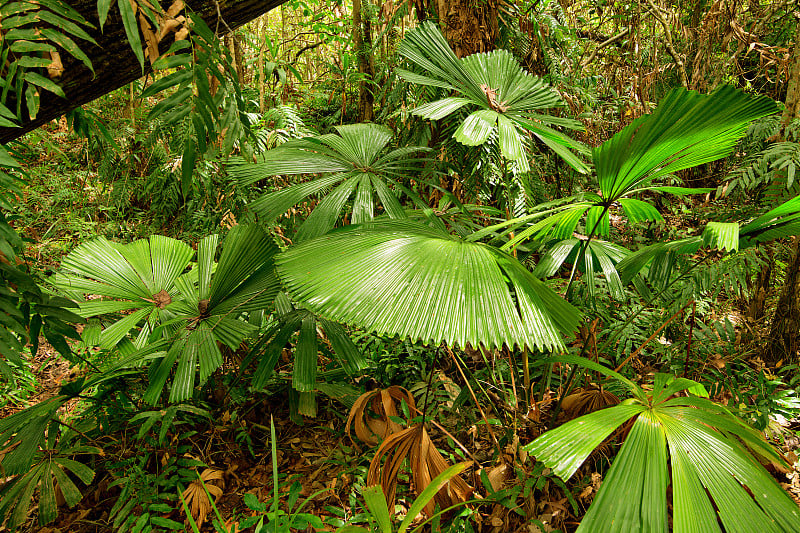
[
  {"x": 685, "y": 130},
  {"x": 596, "y": 253},
  {"x": 783, "y": 221},
  {"x": 243, "y": 280},
  {"x": 309, "y": 327},
  {"x": 356, "y": 164},
  {"x": 181, "y": 318},
  {"x": 403, "y": 278},
  {"x": 502, "y": 97},
  {"x": 137, "y": 279},
  {"x": 691, "y": 443}
]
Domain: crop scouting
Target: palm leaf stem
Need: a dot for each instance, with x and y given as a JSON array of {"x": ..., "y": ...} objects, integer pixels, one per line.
[
  {"x": 619, "y": 331},
  {"x": 474, "y": 397},
  {"x": 581, "y": 255},
  {"x": 430, "y": 380},
  {"x": 633, "y": 316},
  {"x": 570, "y": 377}
]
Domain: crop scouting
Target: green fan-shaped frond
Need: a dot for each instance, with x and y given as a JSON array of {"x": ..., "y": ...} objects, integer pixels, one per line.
[
  {"x": 356, "y": 164},
  {"x": 501, "y": 96},
  {"x": 597, "y": 256},
  {"x": 685, "y": 130},
  {"x": 401, "y": 278},
  {"x": 659, "y": 259},
  {"x": 137, "y": 279},
  {"x": 696, "y": 446},
  {"x": 243, "y": 280}
]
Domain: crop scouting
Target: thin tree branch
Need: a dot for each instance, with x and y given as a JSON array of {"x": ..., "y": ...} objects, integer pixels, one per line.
[
  {"x": 679, "y": 63},
  {"x": 609, "y": 41}
]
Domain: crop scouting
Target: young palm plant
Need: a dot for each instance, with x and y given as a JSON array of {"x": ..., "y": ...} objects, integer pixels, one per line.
[
  {"x": 355, "y": 163},
  {"x": 685, "y": 130},
  {"x": 501, "y": 96},
  {"x": 289, "y": 320},
  {"x": 178, "y": 318},
  {"x": 708, "y": 457}
]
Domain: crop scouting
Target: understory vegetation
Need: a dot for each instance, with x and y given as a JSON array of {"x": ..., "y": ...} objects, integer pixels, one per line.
[{"x": 406, "y": 266}]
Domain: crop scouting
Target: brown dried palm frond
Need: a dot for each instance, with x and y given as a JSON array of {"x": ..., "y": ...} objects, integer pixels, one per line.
[
  {"x": 426, "y": 463},
  {"x": 587, "y": 400},
  {"x": 196, "y": 497},
  {"x": 372, "y": 413}
]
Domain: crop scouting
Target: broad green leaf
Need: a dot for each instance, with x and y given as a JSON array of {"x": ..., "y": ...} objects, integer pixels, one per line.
[
  {"x": 782, "y": 221},
  {"x": 304, "y": 376},
  {"x": 441, "y": 108},
  {"x": 44, "y": 83},
  {"x": 376, "y": 503},
  {"x": 565, "y": 448},
  {"x": 102, "y": 11},
  {"x": 639, "y": 211},
  {"x": 722, "y": 235},
  {"x": 476, "y": 128},
  {"x": 633, "y": 496},
  {"x": 400, "y": 278},
  {"x": 685, "y": 130}
]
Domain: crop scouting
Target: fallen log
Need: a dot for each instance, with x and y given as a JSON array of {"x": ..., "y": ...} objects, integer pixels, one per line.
[{"x": 115, "y": 64}]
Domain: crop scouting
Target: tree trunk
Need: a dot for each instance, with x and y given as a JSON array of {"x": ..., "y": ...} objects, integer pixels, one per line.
[
  {"x": 114, "y": 62},
  {"x": 262, "y": 48},
  {"x": 784, "y": 333},
  {"x": 792, "y": 101},
  {"x": 238, "y": 58},
  {"x": 362, "y": 41},
  {"x": 469, "y": 26}
]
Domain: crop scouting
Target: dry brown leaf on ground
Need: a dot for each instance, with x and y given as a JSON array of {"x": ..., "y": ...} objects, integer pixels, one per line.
[
  {"x": 499, "y": 475},
  {"x": 196, "y": 497},
  {"x": 371, "y": 414},
  {"x": 587, "y": 400},
  {"x": 425, "y": 464}
]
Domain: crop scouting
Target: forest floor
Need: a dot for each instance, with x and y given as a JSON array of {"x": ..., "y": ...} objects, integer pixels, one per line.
[{"x": 325, "y": 462}]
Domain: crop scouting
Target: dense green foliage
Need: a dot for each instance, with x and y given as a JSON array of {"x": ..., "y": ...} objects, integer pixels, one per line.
[{"x": 513, "y": 225}]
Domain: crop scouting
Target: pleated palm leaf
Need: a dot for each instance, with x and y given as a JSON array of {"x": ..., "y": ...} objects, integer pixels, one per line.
[
  {"x": 659, "y": 259},
  {"x": 708, "y": 457},
  {"x": 355, "y": 163},
  {"x": 685, "y": 130},
  {"x": 137, "y": 279},
  {"x": 598, "y": 256},
  {"x": 209, "y": 309},
  {"x": 404, "y": 278},
  {"x": 501, "y": 96},
  {"x": 289, "y": 321}
]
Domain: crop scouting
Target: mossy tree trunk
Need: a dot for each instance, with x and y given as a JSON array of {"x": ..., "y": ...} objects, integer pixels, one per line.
[
  {"x": 784, "y": 333},
  {"x": 470, "y": 26},
  {"x": 362, "y": 42}
]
